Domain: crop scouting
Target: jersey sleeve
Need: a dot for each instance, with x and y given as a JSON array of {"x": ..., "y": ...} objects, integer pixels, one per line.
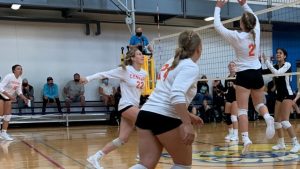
[
  {"x": 229, "y": 35},
  {"x": 183, "y": 81},
  {"x": 283, "y": 69},
  {"x": 118, "y": 73}
]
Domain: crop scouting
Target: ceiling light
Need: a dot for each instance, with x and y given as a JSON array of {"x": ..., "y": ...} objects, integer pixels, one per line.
[
  {"x": 209, "y": 19},
  {"x": 15, "y": 6}
]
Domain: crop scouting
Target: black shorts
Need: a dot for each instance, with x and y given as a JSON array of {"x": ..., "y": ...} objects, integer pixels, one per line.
[
  {"x": 230, "y": 99},
  {"x": 250, "y": 79},
  {"x": 124, "y": 109},
  {"x": 156, "y": 123},
  {"x": 4, "y": 99},
  {"x": 280, "y": 98}
]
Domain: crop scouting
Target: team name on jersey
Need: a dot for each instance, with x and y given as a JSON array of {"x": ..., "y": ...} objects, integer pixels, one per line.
[{"x": 138, "y": 77}]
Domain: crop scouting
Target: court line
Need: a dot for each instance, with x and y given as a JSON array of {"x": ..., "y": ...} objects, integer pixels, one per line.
[
  {"x": 56, "y": 150},
  {"x": 42, "y": 154}
]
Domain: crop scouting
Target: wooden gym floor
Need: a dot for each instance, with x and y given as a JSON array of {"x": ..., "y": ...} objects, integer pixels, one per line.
[{"x": 62, "y": 147}]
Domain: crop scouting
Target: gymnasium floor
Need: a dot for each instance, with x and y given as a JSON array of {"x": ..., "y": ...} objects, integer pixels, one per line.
[{"x": 62, "y": 147}]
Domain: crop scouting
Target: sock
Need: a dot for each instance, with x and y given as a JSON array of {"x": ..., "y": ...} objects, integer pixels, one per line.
[
  {"x": 294, "y": 140},
  {"x": 3, "y": 131},
  {"x": 245, "y": 135},
  {"x": 230, "y": 131},
  {"x": 100, "y": 154},
  {"x": 236, "y": 132},
  {"x": 266, "y": 116},
  {"x": 281, "y": 140}
]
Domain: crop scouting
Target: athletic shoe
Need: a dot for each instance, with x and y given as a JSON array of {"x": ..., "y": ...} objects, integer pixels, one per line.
[
  {"x": 279, "y": 146},
  {"x": 6, "y": 136},
  {"x": 270, "y": 131},
  {"x": 234, "y": 138},
  {"x": 247, "y": 143},
  {"x": 95, "y": 161},
  {"x": 296, "y": 148}
]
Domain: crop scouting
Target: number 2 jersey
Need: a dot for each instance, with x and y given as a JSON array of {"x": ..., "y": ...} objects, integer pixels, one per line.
[
  {"x": 246, "y": 51},
  {"x": 132, "y": 83},
  {"x": 173, "y": 87}
]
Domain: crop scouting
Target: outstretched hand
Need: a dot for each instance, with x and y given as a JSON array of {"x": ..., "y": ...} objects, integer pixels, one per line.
[
  {"x": 242, "y": 2},
  {"x": 221, "y": 3}
]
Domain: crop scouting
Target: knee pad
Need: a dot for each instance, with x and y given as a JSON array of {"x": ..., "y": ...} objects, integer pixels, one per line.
[
  {"x": 277, "y": 125},
  {"x": 243, "y": 112},
  {"x": 228, "y": 119},
  {"x": 233, "y": 118},
  {"x": 258, "y": 106},
  {"x": 7, "y": 117},
  {"x": 177, "y": 166},
  {"x": 286, "y": 124},
  {"x": 138, "y": 166},
  {"x": 117, "y": 142}
]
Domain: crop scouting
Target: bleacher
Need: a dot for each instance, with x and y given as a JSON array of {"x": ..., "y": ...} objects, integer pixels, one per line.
[{"x": 94, "y": 111}]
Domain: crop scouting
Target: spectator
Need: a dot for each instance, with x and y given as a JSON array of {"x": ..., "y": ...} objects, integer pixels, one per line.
[
  {"x": 28, "y": 92},
  {"x": 107, "y": 91},
  {"x": 140, "y": 41},
  {"x": 74, "y": 92},
  {"x": 50, "y": 93},
  {"x": 203, "y": 91},
  {"x": 218, "y": 96}
]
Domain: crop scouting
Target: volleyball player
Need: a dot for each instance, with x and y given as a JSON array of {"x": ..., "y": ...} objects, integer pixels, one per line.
[
  {"x": 132, "y": 78},
  {"x": 9, "y": 87},
  {"x": 164, "y": 121},
  {"x": 231, "y": 109},
  {"x": 249, "y": 80},
  {"x": 284, "y": 100}
]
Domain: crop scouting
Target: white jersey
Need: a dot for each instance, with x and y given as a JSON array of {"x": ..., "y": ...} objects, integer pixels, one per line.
[
  {"x": 132, "y": 84},
  {"x": 173, "y": 87},
  {"x": 246, "y": 51},
  {"x": 11, "y": 85}
]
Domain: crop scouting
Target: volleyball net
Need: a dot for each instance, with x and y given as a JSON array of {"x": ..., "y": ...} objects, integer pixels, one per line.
[{"x": 217, "y": 53}]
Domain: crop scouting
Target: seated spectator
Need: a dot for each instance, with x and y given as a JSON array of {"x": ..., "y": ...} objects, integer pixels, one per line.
[
  {"x": 140, "y": 41},
  {"x": 107, "y": 91},
  {"x": 74, "y": 92},
  {"x": 203, "y": 91},
  {"x": 28, "y": 92},
  {"x": 50, "y": 94},
  {"x": 218, "y": 96}
]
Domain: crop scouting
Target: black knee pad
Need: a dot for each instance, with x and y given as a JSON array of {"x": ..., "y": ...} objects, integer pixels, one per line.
[{"x": 228, "y": 118}]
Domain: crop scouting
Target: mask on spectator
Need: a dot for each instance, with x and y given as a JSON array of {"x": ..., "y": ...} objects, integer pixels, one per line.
[
  {"x": 105, "y": 81},
  {"x": 76, "y": 80},
  {"x": 139, "y": 34},
  {"x": 25, "y": 84},
  {"x": 51, "y": 83}
]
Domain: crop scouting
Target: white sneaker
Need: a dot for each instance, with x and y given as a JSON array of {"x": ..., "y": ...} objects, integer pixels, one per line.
[
  {"x": 4, "y": 145},
  {"x": 279, "y": 146},
  {"x": 94, "y": 161},
  {"x": 296, "y": 148},
  {"x": 247, "y": 143},
  {"x": 137, "y": 158},
  {"x": 228, "y": 136},
  {"x": 6, "y": 136},
  {"x": 234, "y": 138},
  {"x": 270, "y": 131}
]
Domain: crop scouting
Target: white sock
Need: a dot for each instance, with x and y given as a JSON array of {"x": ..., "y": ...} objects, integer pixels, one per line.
[
  {"x": 245, "y": 135},
  {"x": 267, "y": 116},
  {"x": 294, "y": 140},
  {"x": 3, "y": 131},
  {"x": 236, "y": 132},
  {"x": 230, "y": 131},
  {"x": 100, "y": 154},
  {"x": 281, "y": 140}
]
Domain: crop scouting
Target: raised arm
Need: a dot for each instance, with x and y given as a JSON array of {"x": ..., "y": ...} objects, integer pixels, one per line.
[
  {"x": 283, "y": 69},
  {"x": 229, "y": 35}
]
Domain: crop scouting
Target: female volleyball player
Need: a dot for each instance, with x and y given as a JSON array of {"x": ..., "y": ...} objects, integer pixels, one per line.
[
  {"x": 249, "y": 80},
  {"x": 9, "y": 86},
  {"x": 284, "y": 100},
  {"x": 164, "y": 121},
  {"x": 132, "y": 78},
  {"x": 231, "y": 109}
]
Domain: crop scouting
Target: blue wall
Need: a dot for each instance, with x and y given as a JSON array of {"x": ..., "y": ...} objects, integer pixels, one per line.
[{"x": 288, "y": 36}]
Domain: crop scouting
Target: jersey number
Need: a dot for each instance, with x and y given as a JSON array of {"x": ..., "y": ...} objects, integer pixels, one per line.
[
  {"x": 251, "y": 49},
  {"x": 165, "y": 71},
  {"x": 140, "y": 85}
]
